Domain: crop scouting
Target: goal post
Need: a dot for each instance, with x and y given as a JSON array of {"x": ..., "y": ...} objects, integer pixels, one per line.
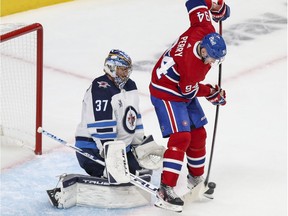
[{"x": 21, "y": 80}]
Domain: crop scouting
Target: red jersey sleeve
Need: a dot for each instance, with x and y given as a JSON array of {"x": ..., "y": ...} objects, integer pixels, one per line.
[
  {"x": 203, "y": 91},
  {"x": 198, "y": 12}
]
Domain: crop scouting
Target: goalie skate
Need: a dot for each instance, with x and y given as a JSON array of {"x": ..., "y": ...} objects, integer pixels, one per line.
[{"x": 52, "y": 196}]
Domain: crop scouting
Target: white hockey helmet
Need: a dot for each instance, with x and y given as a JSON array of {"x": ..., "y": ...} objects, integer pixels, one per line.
[{"x": 115, "y": 59}]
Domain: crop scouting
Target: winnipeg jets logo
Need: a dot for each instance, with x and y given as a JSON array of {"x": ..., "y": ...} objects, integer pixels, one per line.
[
  {"x": 103, "y": 84},
  {"x": 130, "y": 119}
]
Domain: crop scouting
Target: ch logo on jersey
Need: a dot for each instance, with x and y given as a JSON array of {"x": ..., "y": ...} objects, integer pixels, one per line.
[
  {"x": 103, "y": 84},
  {"x": 185, "y": 123},
  {"x": 188, "y": 88},
  {"x": 130, "y": 119}
]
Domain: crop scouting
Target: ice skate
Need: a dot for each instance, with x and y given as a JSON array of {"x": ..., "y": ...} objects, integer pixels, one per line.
[
  {"x": 196, "y": 181},
  {"x": 193, "y": 181},
  {"x": 168, "y": 199}
]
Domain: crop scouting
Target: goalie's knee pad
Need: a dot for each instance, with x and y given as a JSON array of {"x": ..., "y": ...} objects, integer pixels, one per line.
[{"x": 144, "y": 172}]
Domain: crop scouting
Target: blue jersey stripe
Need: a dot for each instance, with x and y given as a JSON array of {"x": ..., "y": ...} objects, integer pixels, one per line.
[
  {"x": 85, "y": 144},
  {"x": 194, "y": 4},
  {"x": 102, "y": 124},
  {"x": 104, "y": 135},
  {"x": 172, "y": 75},
  {"x": 196, "y": 162},
  {"x": 172, "y": 165},
  {"x": 138, "y": 127}
]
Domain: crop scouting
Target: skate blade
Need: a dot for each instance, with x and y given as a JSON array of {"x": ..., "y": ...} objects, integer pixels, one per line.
[
  {"x": 208, "y": 196},
  {"x": 209, "y": 193},
  {"x": 167, "y": 206}
]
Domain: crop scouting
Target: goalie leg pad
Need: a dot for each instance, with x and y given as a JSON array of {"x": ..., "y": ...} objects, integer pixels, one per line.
[{"x": 82, "y": 190}]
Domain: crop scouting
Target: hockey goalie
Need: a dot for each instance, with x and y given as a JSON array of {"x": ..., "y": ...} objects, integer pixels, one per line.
[{"x": 111, "y": 131}]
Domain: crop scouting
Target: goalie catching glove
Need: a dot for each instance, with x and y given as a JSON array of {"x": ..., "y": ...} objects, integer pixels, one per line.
[{"x": 149, "y": 154}]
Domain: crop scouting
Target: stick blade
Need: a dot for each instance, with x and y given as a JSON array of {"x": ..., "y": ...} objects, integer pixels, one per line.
[{"x": 195, "y": 194}]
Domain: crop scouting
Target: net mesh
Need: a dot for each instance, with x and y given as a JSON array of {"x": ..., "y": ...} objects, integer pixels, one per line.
[{"x": 18, "y": 86}]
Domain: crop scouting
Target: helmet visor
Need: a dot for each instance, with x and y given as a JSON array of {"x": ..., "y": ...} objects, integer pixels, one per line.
[{"x": 212, "y": 61}]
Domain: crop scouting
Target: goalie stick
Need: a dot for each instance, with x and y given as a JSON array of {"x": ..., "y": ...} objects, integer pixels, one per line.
[
  {"x": 135, "y": 180},
  {"x": 192, "y": 195}
]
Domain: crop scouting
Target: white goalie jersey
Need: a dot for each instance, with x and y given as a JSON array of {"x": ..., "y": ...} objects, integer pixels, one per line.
[{"x": 109, "y": 114}]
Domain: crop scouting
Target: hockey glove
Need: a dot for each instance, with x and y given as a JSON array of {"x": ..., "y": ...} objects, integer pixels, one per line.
[
  {"x": 218, "y": 96},
  {"x": 221, "y": 14}
]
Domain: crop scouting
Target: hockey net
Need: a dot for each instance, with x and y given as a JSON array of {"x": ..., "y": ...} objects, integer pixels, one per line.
[{"x": 21, "y": 76}]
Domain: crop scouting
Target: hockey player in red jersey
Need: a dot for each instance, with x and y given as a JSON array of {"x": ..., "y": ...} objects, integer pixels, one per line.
[{"x": 175, "y": 85}]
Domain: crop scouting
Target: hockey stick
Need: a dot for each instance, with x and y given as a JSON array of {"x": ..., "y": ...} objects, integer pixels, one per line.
[
  {"x": 135, "y": 180},
  {"x": 212, "y": 185}
]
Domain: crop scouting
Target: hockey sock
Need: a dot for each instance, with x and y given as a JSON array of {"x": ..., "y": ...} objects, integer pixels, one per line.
[
  {"x": 196, "y": 152},
  {"x": 173, "y": 157}
]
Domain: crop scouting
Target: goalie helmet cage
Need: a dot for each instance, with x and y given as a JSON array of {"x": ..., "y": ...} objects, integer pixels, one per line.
[{"x": 21, "y": 80}]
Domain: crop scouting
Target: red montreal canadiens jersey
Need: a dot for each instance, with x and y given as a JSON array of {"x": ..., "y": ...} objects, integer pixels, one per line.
[{"x": 178, "y": 73}]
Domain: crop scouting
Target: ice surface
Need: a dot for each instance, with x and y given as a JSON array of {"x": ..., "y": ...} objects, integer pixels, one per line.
[{"x": 250, "y": 158}]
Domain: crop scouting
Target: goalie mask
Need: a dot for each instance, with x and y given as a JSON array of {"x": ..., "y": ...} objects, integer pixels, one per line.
[{"x": 119, "y": 66}]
